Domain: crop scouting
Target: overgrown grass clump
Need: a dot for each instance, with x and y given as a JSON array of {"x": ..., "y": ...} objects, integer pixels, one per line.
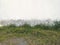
[{"x": 40, "y": 34}]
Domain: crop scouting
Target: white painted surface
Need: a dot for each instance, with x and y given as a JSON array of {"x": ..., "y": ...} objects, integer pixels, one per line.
[{"x": 29, "y": 9}]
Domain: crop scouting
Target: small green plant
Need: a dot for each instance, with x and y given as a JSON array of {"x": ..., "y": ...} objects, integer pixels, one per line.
[{"x": 57, "y": 25}]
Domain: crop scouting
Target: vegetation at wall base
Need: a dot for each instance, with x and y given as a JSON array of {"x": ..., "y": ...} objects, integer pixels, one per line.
[{"x": 38, "y": 34}]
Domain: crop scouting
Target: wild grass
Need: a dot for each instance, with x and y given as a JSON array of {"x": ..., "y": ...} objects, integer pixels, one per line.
[{"x": 37, "y": 35}]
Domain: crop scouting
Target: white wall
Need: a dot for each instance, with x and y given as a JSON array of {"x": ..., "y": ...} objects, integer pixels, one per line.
[{"x": 29, "y": 9}]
